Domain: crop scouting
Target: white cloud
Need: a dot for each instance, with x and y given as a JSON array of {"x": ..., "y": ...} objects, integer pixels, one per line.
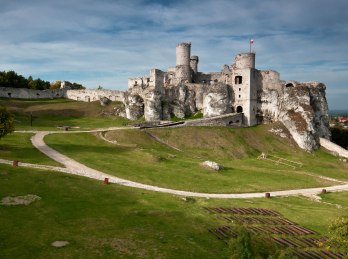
[{"x": 105, "y": 42}]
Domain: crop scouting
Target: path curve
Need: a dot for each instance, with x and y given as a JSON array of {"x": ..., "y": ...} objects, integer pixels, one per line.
[{"x": 76, "y": 168}]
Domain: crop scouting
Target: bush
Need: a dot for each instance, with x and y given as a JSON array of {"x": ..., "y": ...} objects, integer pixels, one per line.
[
  {"x": 247, "y": 246},
  {"x": 6, "y": 122}
]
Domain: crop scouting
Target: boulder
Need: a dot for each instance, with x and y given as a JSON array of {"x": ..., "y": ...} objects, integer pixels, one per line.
[
  {"x": 212, "y": 165},
  {"x": 104, "y": 101}
]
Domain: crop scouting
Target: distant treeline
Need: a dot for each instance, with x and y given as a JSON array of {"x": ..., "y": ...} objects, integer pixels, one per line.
[
  {"x": 12, "y": 79},
  {"x": 340, "y": 136}
]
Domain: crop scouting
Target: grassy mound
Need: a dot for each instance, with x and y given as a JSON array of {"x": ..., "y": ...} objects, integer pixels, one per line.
[{"x": 139, "y": 157}]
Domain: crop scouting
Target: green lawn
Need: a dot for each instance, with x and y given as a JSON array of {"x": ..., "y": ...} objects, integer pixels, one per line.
[
  {"x": 112, "y": 221},
  {"x": 144, "y": 160},
  {"x": 17, "y": 146}
]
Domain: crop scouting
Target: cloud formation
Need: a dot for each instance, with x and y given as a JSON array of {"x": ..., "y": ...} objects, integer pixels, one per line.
[{"x": 105, "y": 42}]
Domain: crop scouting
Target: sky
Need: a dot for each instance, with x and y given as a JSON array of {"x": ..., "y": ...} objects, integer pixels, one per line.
[{"x": 104, "y": 42}]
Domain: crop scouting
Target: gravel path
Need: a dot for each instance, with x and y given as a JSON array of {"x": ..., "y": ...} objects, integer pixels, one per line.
[{"x": 76, "y": 168}]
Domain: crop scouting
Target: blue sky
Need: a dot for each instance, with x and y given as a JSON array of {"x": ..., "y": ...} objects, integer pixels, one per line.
[{"x": 104, "y": 42}]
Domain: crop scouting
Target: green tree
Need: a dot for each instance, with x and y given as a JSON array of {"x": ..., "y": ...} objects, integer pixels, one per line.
[
  {"x": 56, "y": 85},
  {"x": 6, "y": 122},
  {"x": 39, "y": 84}
]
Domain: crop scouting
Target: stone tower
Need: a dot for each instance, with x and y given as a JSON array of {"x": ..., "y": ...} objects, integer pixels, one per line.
[
  {"x": 183, "y": 69},
  {"x": 245, "y": 87}
]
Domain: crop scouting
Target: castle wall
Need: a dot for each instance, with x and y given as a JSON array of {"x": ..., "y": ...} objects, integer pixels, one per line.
[
  {"x": 157, "y": 78},
  {"x": 270, "y": 79},
  {"x": 84, "y": 95},
  {"x": 245, "y": 86},
  {"x": 87, "y": 95},
  {"x": 24, "y": 93},
  {"x": 194, "y": 64},
  {"x": 231, "y": 119},
  {"x": 211, "y": 78}
]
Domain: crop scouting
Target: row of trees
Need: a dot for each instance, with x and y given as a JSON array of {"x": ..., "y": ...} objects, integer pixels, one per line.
[
  {"x": 340, "y": 136},
  {"x": 12, "y": 79}
]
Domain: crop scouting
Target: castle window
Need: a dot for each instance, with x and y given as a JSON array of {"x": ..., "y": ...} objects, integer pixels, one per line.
[
  {"x": 240, "y": 89},
  {"x": 238, "y": 80},
  {"x": 239, "y": 109},
  {"x": 239, "y": 96}
]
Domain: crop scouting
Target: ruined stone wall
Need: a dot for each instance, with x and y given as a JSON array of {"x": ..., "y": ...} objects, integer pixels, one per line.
[
  {"x": 270, "y": 79},
  {"x": 194, "y": 64},
  {"x": 231, "y": 119},
  {"x": 88, "y": 95},
  {"x": 24, "y": 93},
  {"x": 211, "y": 78},
  {"x": 85, "y": 95}
]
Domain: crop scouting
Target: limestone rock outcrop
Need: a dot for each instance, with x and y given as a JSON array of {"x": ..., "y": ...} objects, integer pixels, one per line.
[
  {"x": 302, "y": 109},
  {"x": 134, "y": 106},
  {"x": 217, "y": 101}
]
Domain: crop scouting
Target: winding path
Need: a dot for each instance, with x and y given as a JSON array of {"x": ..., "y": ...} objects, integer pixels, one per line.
[{"x": 76, "y": 168}]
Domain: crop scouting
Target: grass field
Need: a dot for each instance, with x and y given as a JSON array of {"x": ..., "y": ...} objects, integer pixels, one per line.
[
  {"x": 111, "y": 221},
  {"x": 49, "y": 114},
  {"x": 145, "y": 160},
  {"x": 17, "y": 146}
]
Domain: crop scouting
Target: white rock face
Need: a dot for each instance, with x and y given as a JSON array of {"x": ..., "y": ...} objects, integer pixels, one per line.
[
  {"x": 212, "y": 165},
  {"x": 134, "y": 107},
  {"x": 217, "y": 101},
  {"x": 153, "y": 106},
  {"x": 302, "y": 109}
]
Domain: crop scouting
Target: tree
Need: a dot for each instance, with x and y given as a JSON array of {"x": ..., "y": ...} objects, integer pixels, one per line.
[
  {"x": 56, "y": 85},
  {"x": 6, "y": 122}
]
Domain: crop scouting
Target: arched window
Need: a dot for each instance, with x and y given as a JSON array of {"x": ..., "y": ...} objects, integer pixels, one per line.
[
  {"x": 238, "y": 80},
  {"x": 239, "y": 109}
]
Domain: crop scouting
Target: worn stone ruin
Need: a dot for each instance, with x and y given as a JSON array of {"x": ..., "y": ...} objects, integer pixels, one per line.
[
  {"x": 260, "y": 95},
  {"x": 254, "y": 96}
]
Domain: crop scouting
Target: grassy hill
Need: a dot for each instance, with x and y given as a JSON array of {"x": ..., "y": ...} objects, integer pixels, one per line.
[
  {"x": 113, "y": 221},
  {"x": 139, "y": 157},
  {"x": 48, "y": 114}
]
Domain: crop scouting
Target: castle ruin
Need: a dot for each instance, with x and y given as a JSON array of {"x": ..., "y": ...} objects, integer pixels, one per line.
[
  {"x": 259, "y": 95},
  {"x": 237, "y": 95}
]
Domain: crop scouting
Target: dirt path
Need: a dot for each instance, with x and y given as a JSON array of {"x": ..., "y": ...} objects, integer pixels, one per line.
[{"x": 76, "y": 168}]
